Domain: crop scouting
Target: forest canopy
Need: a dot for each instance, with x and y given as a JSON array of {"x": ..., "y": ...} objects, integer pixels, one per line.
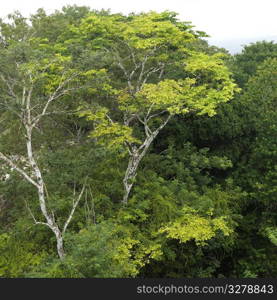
[{"x": 130, "y": 147}]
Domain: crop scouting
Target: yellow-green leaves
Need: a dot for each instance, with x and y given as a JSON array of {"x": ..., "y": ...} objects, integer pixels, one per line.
[
  {"x": 137, "y": 255},
  {"x": 192, "y": 226},
  {"x": 144, "y": 51},
  {"x": 214, "y": 83},
  {"x": 106, "y": 131},
  {"x": 145, "y": 31},
  {"x": 148, "y": 31},
  {"x": 181, "y": 96},
  {"x": 109, "y": 249},
  {"x": 98, "y": 30},
  {"x": 271, "y": 233},
  {"x": 140, "y": 45},
  {"x": 17, "y": 256},
  {"x": 45, "y": 67},
  {"x": 167, "y": 94}
]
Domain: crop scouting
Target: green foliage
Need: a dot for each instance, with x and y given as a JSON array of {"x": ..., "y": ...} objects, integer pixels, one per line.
[
  {"x": 246, "y": 63},
  {"x": 191, "y": 226},
  {"x": 204, "y": 198},
  {"x": 108, "y": 250},
  {"x": 17, "y": 256},
  {"x": 113, "y": 134},
  {"x": 142, "y": 50}
]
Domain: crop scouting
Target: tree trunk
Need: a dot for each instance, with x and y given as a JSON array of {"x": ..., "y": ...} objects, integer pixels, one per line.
[
  {"x": 50, "y": 220},
  {"x": 60, "y": 247},
  {"x": 35, "y": 178},
  {"x": 134, "y": 161},
  {"x": 136, "y": 156},
  {"x": 130, "y": 176}
]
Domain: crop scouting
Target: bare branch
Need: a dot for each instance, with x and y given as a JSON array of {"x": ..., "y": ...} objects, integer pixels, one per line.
[
  {"x": 164, "y": 123},
  {"x": 9, "y": 86},
  {"x": 33, "y": 217},
  {"x": 140, "y": 119},
  {"x": 162, "y": 70},
  {"x": 129, "y": 147},
  {"x": 141, "y": 73},
  {"x": 128, "y": 118},
  {"x": 19, "y": 170},
  {"x": 147, "y": 130},
  {"x": 130, "y": 87},
  {"x": 28, "y": 107},
  {"x": 156, "y": 115},
  {"x": 149, "y": 110},
  {"x": 75, "y": 203},
  {"x": 109, "y": 118},
  {"x": 55, "y": 95},
  {"x": 132, "y": 54},
  {"x": 23, "y": 95},
  {"x": 148, "y": 73}
]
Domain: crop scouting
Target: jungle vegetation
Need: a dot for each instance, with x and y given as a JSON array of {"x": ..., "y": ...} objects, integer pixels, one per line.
[{"x": 130, "y": 147}]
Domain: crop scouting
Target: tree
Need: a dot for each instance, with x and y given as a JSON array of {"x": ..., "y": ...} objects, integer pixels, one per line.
[
  {"x": 33, "y": 76},
  {"x": 161, "y": 75},
  {"x": 245, "y": 64}
]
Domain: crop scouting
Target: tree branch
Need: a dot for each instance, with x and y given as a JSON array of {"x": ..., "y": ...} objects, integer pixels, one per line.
[
  {"x": 19, "y": 170},
  {"x": 75, "y": 203},
  {"x": 33, "y": 217},
  {"x": 10, "y": 88}
]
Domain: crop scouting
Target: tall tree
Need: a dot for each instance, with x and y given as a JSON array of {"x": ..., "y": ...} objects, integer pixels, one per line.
[
  {"x": 33, "y": 76},
  {"x": 160, "y": 75}
]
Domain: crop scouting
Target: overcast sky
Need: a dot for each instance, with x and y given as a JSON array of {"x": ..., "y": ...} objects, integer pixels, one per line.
[{"x": 230, "y": 23}]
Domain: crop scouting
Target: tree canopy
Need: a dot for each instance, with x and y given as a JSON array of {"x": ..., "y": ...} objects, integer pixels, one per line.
[{"x": 130, "y": 147}]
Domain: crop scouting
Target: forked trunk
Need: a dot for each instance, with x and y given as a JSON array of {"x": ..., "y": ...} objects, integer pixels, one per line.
[
  {"x": 134, "y": 161},
  {"x": 136, "y": 156}
]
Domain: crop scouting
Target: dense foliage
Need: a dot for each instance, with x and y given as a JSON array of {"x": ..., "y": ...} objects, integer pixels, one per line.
[{"x": 129, "y": 147}]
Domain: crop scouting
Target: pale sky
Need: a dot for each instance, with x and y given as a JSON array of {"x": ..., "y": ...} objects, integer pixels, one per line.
[{"x": 230, "y": 23}]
